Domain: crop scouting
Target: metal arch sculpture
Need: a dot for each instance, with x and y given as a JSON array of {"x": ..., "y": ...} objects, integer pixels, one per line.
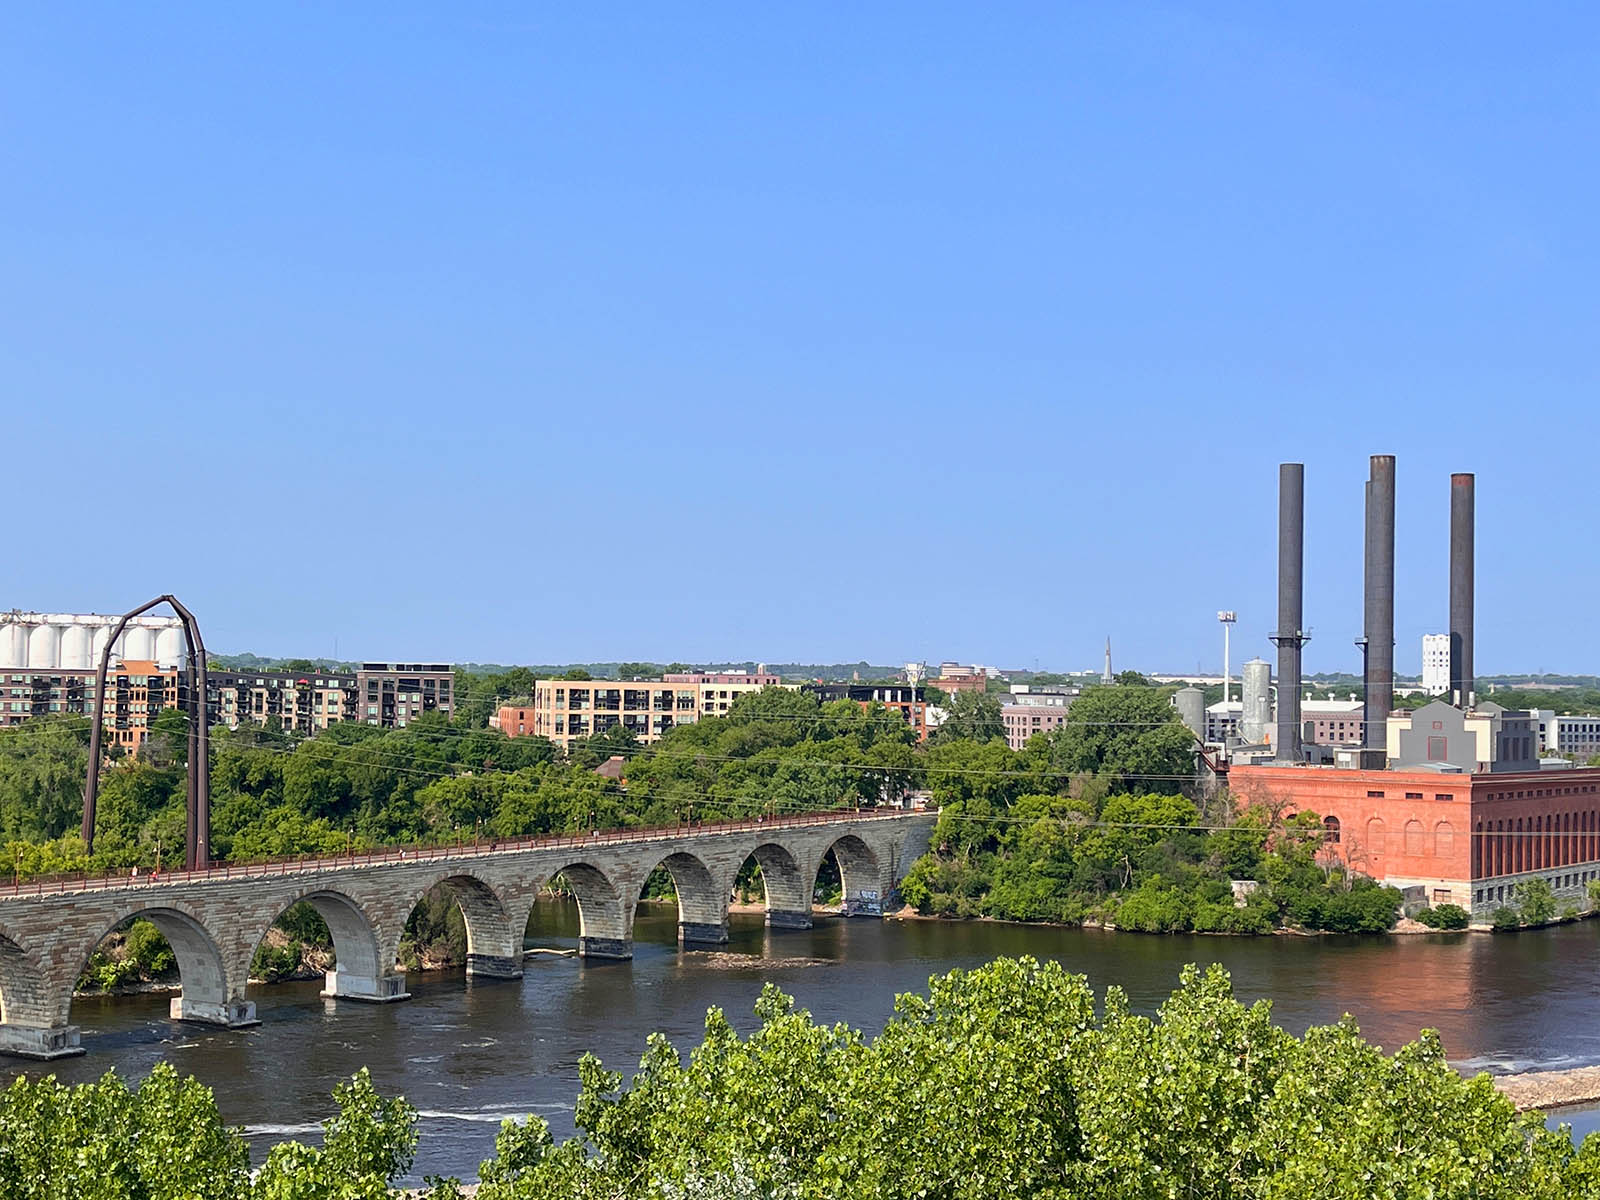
[{"x": 197, "y": 845}]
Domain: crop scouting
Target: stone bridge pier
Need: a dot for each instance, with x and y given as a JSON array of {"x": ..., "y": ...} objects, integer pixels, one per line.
[{"x": 215, "y": 920}]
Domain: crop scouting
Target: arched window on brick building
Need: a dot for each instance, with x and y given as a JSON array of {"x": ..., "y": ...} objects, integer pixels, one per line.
[
  {"x": 1375, "y": 836},
  {"x": 1330, "y": 830},
  {"x": 1444, "y": 839},
  {"x": 1414, "y": 837}
]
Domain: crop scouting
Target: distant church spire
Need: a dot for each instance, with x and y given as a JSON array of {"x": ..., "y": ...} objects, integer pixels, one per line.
[{"x": 1106, "y": 677}]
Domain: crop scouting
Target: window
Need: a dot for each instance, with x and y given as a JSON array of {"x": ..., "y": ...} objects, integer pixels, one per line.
[
  {"x": 1444, "y": 839},
  {"x": 1414, "y": 837},
  {"x": 1372, "y": 795},
  {"x": 1330, "y": 830},
  {"x": 1443, "y": 797},
  {"x": 1413, "y": 795},
  {"x": 1375, "y": 836}
]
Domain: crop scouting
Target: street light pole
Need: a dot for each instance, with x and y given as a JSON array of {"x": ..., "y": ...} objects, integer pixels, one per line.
[{"x": 1227, "y": 617}]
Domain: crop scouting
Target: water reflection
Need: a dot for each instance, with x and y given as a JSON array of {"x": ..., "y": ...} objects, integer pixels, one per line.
[{"x": 470, "y": 1052}]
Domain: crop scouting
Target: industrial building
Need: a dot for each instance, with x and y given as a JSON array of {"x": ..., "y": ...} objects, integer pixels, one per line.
[{"x": 1454, "y": 799}]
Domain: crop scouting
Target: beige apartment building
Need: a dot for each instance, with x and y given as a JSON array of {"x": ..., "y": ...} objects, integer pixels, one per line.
[{"x": 567, "y": 710}]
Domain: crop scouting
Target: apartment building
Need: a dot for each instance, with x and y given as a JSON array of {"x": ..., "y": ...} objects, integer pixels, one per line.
[
  {"x": 566, "y": 710},
  {"x": 1030, "y": 710},
  {"x": 910, "y": 702},
  {"x": 28, "y": 693},
  {"x": 302, "y": 702},
  {"x": 718, "y": 691},
  {"x": 392, "y": 694}
]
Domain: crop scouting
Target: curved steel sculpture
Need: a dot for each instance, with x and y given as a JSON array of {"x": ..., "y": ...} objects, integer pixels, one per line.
[{"x": 197, "y": 846}]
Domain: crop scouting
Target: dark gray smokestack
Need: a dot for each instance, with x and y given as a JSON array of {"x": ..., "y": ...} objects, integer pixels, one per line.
[
  {"x": 1378, "y": 614},
  {"x": 1462, "y": 510},
  {"x": 1288, "y": 638}
]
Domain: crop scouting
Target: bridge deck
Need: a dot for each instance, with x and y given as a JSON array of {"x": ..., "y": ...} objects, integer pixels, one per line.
[{"x": 478, "y": 848}]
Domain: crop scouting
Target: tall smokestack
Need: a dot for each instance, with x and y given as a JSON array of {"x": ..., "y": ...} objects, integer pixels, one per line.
[
  {"x": 1378, "y": 614},
  {"x": 1462, "y": 516},
  {"x": 1289, "y": 637}
]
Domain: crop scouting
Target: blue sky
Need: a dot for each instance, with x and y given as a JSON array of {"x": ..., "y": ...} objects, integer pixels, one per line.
[{"x": 517, "y": 333}]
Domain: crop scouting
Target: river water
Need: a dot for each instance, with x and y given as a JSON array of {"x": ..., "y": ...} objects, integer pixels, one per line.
[{"x": 469, "y": 1053}]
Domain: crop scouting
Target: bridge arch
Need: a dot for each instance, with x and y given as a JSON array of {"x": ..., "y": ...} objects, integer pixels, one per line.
[
  {"x": 19, "y": 977},
  {"x": 860, "y": 873},
  {"x": 494, "y": 941},
  {"x": 359, "y": 970},
  {"x": 32, "y": 1018},
  {"x": 210, "y": 991},
  {"x": 786, "y": 886},
  {"x": 605, "y": 919},
  {"x": 702, "y": 898}
]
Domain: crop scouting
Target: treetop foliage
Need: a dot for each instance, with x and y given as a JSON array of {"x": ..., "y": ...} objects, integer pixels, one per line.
[{"x": 1008, "y": 1080}]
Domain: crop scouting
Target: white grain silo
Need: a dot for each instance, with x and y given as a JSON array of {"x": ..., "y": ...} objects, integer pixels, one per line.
[
  {"x": 75, "y": 646},
  {"x": 44, "y": 646},
  {"x": 99, "y": 635},
  {"x": 13, "y": 642},
  {"x": 138, "y": 643},
  {"x": 169, "y": 646}
]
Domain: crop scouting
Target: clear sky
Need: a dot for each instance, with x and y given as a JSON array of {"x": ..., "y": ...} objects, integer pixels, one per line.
[{"x": 530, "y": 333}]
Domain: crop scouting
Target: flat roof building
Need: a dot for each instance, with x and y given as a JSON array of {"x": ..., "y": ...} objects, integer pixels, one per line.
[{"x": 568, "y": 710}]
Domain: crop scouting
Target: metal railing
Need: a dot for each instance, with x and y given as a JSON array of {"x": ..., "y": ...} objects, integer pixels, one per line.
[{"x": 477, "y": 847}]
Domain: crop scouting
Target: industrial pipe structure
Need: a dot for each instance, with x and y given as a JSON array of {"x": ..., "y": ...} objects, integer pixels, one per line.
[
  {"x": 197, "y": 849},
  {"x": 1291, "y": 635},
  {"x": 1462, "y": 569},
  {"x": 1377, "y": 639}
]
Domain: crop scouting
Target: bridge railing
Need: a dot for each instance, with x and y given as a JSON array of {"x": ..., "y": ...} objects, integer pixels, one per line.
[{"x": 478, "y": 847}]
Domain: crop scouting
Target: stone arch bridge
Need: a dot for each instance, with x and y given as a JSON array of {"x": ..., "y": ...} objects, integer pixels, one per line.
[{"x": 215, "y": 918}]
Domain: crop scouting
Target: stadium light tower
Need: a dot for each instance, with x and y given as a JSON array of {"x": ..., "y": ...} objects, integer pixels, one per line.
[{"x": 1227, "y": 617}]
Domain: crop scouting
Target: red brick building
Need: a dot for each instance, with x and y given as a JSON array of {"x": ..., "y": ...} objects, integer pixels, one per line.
[{"x": 1465, "y": 839}]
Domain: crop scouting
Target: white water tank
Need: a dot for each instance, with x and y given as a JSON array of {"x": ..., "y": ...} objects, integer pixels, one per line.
[
  {"x": 44, "y": 646},
  {"x": 170, "y": 646},
  {"x": 138, "y": 643},
  {"x": 1257, "y": 716},
  {"x": 75, "y": 647},
  {"x": 13, "y": 644}
]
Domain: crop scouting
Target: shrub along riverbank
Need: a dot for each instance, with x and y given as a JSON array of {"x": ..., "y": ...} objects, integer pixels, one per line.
[{"x": 1005, "y": 1081}]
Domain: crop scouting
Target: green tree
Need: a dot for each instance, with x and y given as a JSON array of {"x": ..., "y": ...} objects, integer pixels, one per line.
[
  {"x": 973, "y": 716},
  {"x": 1536, "y": 903},
  {"x": 168, "y": 740},
  {"x": 1007, "y": 1081},
  {"x": 1132, "y": 735}
]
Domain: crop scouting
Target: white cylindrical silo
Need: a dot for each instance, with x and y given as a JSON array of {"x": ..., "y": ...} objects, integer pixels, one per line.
[
  {"x": 75, "y": 647},
  {"x": 44, "y": 646},
  {"x": 99, "y": 635},
  {"x": 1257, "y": 715},
  {"x": 169, "y": 646},
  {"x": 13, "y": 644},
  {"x": 138, "y": 643},
  {"x": 1191, "y": 705}
]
